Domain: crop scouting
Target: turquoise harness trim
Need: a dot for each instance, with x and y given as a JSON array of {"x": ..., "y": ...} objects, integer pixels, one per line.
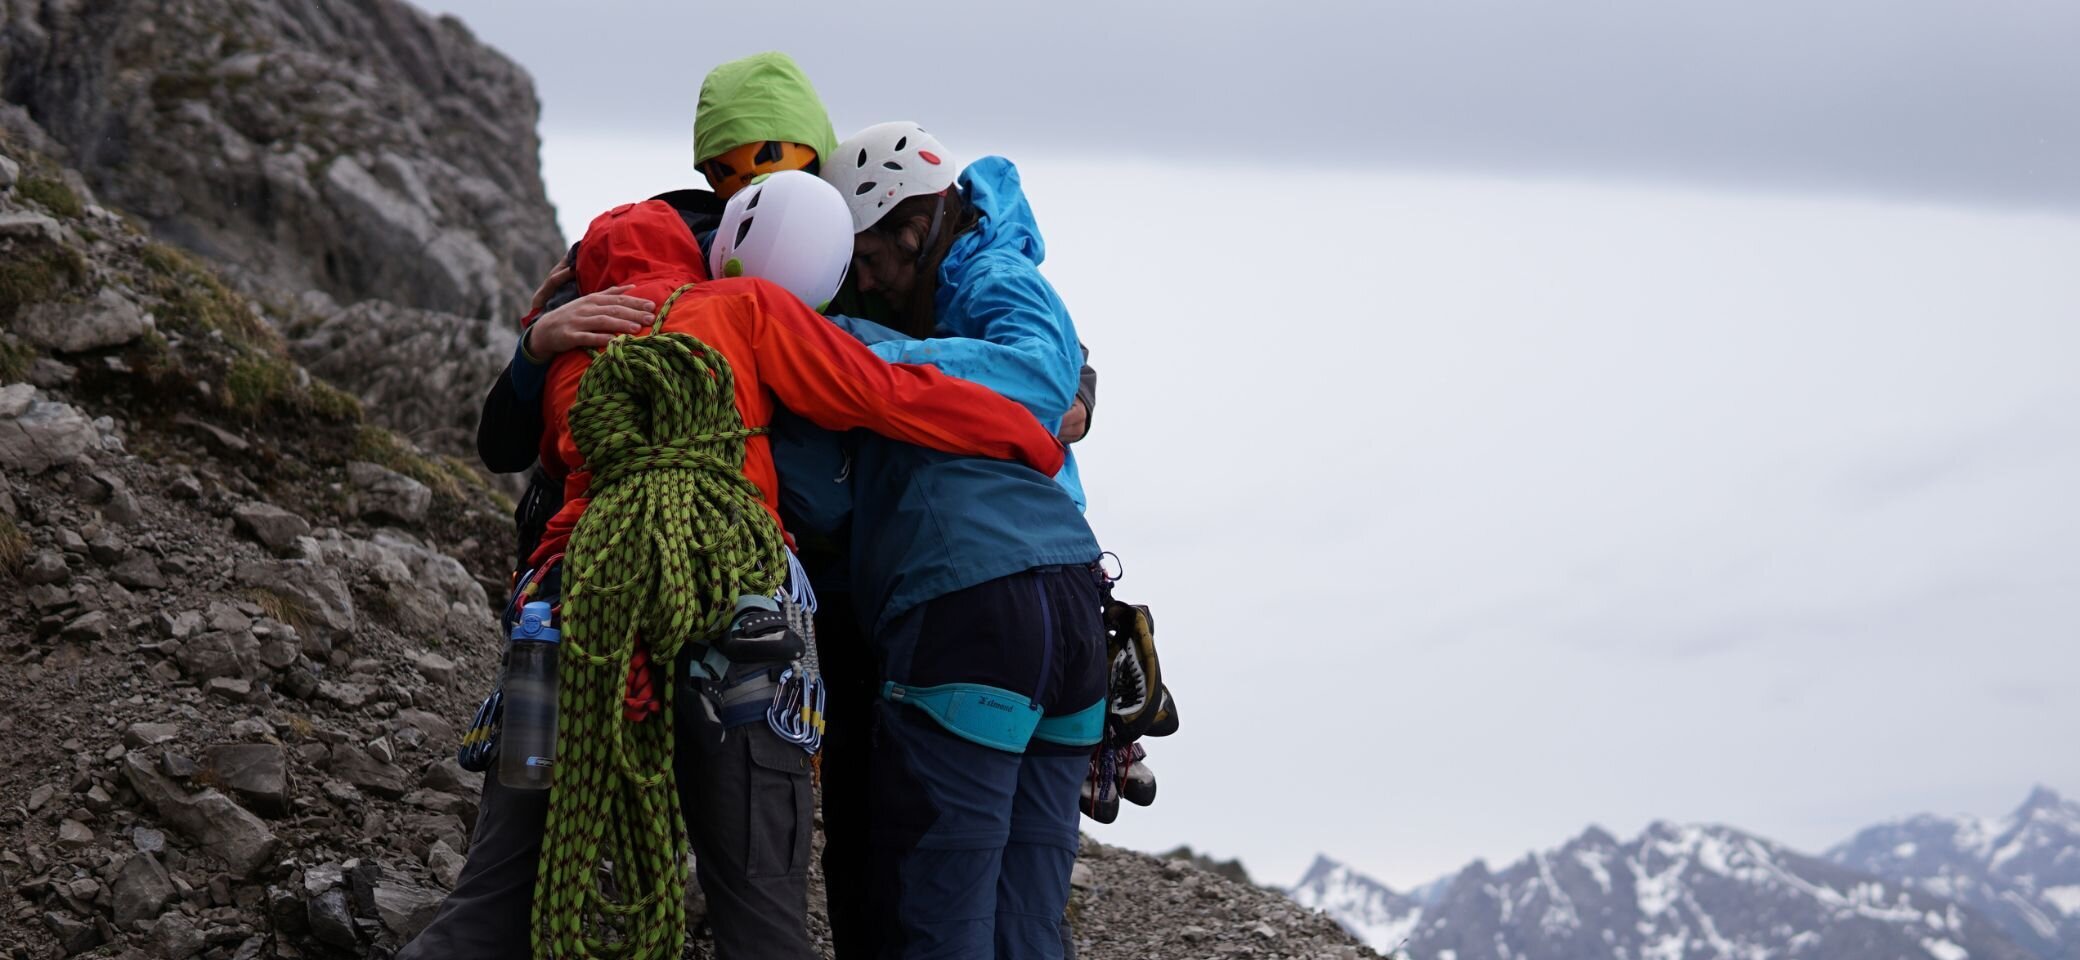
[
  {"x": 991, "y": 716},
  {"x": 712, "y": 662},
  {"x": 1084, "y": 728}
]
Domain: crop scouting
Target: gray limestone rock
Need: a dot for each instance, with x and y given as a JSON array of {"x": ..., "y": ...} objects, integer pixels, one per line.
[
  {"x": 275, "y": 528},
  {"x": 73, "y": 936},
  {"x": 218, "y": 825},
  {"x": 445, "y": 863},
  {"x": 110, "y": 319},
  {"x": 425, "y": 592},
  {"x": 146, "y": 734},
  {"x": 139, "y": 572},
  {"x": 384, "y": 494},
  {"x": 404, "y": 908},
  {"x": 142, "y": 889},
  {"x": 211, "y": 655},
  {"x": 178, "y": 937},
  {"x": 38, "y": 434},
  {"x": 437, "y": 669},
  {"x": 330, "y": 918},
  {"x": 319, "y": 592},
  {"x": 46, "y": 567},
  {"x": 356, "y": 766},
  {"x": 257, "y": 773},
  {"x": 74, "y": 835}
]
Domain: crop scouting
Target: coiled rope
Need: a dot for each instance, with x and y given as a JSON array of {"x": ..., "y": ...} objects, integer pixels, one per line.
[{"x": 673, "y": 535}]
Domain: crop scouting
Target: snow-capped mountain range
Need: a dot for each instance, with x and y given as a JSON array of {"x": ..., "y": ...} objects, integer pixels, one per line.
[
  {"x": 1944, "y": 888},
  {"x": 2022, "y": 870}
]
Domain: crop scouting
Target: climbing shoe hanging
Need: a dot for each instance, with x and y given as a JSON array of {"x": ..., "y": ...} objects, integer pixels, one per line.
[{"x": 1138, "y": 705}]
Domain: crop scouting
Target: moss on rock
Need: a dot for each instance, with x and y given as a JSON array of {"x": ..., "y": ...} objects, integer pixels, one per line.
[{"x": 53, "y": 194}]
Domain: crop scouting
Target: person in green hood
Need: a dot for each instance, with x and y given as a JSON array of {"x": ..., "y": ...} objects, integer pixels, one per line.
[
  {"x": 756, "y": 116},
  {"x": 746, "y": 793}
]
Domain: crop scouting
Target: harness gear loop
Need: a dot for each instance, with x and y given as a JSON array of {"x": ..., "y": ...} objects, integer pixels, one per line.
[{"x": 673, "y": 535}]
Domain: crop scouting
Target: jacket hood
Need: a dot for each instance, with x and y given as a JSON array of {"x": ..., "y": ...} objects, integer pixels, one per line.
[
  {"x": 765, "y": 96},
  {"x": 991, "y": 184},
  {"x": 636, "y": 242}
]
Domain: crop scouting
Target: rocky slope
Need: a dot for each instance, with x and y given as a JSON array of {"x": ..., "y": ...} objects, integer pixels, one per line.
[
  {"x": 1132, "y": 905},
  {"x": 369, "y": 172},
  {"x": 1945, "y": 888},
  {"x": 2021, "y": 870},
  {"x": 239, "y": 619}
]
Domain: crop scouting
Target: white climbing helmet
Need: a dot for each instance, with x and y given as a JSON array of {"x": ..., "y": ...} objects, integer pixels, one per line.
[
  {"x": 881, "y": 166},
  {"x": 788, "y": 228}
]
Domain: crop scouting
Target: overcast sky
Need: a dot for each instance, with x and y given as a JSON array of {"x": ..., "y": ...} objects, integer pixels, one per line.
[
  {"x": 1520, "y": 415},
  {"x": 1978, "y": 101}
]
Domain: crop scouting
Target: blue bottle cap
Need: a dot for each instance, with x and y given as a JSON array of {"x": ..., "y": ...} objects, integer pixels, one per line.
[{"x": 534, "y": 624}]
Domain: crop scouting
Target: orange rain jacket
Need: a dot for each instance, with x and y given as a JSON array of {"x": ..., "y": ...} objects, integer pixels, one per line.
[{"x": 782, "y": 353}]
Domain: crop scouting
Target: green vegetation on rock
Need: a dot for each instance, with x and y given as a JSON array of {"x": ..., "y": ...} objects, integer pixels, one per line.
[
  {"x": 15, "y": 360},
  {"x": 14, "y": 547},
  {"x": 37, "y": 275},
  {"x": 53, "y": 194}
]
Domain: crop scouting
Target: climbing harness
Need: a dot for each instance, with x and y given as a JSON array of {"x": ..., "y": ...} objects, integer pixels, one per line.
[
  {"x": 1084, "y": 728},
  {"x": 673, "y": 535},
  {"x": 976, "y": 712}
]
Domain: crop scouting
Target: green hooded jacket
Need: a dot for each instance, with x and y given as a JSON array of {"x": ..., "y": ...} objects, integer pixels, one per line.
[{"x": 765, "y": 96}]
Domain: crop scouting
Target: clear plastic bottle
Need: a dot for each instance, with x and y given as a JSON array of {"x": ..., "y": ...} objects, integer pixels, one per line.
[{"x": 527, "y": 733}]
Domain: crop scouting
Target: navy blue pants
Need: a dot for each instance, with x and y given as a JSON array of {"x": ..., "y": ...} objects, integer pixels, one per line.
[{"x": 972, "y": 846}]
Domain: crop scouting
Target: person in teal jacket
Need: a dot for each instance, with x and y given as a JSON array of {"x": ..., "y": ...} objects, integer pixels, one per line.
[
  {"x": 973, "y": 584},
  {"x": 993, "y": 318}
]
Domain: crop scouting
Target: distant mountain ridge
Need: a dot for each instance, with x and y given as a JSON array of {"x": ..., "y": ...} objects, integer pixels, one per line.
[
  {"x": 2022, "y": 870},
  {"x": 1958, "y": 888}
]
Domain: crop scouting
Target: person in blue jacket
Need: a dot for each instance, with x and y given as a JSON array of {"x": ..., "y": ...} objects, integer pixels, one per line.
[{"x": 974, "y": 582}]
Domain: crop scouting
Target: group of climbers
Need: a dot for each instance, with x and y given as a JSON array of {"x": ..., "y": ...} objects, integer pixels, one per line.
[{"x": 705, "y": 446}]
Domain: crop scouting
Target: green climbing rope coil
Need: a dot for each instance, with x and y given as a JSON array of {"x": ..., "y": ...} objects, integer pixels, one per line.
[{"x": 673, "y": 535}]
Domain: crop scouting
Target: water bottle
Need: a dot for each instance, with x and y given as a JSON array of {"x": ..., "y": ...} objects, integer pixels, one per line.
[{"x": 527, "y": 734}]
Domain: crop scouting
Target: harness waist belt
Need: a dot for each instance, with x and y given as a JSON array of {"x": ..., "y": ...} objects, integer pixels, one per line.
[
  {"x": 991, "y": 716},
  {"x": 1084, "y": 728}
]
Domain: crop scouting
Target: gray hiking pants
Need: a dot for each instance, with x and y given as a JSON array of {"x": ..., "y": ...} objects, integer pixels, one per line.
[{"x": 746, "y": 796}]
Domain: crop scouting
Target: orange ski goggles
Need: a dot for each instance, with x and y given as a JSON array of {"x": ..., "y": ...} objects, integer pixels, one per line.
[{"x": 735, "y": 169}]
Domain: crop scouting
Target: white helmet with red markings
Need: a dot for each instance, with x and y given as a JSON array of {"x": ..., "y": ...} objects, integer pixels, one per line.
[{"x": 885, "y": 164}]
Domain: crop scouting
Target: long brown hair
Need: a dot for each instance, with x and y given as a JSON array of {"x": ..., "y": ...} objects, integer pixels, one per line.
[{"x": 915, "y": 318}]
